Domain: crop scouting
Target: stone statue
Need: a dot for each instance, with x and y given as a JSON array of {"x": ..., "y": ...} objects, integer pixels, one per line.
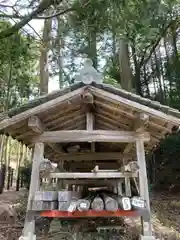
[{"x": 88, "y": 74}]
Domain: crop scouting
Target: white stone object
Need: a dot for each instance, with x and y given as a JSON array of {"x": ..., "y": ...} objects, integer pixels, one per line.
[
  {"x": 88, "y": 74},
  {"x": 46, "y": 196}
]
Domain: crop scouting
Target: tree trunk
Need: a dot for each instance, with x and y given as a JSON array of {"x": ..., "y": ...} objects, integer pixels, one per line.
[
  {"x": 12, "y": 177},
  {"x": 175, "y": 54},
  {"x": 125, "y": 70},
  {"x": 92, "y": 48},
  {"x": 114, "y": 44},
  {"x": 20, "y": 157},
  {"x": 137, "y": 75},
  {"x": 8, "y": 93},
  {"x": 146, "y": 82},
  {"x": 1, "y": 149},
  {"x": 2, "y": 177},
  {"x": 159, "y": 76},
  {"x": 8, "y": 164},
  {"x": 59, "y": 52},
  {"x": 5, "y": 157},
  {"x": 168, "y": 75},
  {"x": 44, "y": 73},
  {"x": 164, "y": 85}
]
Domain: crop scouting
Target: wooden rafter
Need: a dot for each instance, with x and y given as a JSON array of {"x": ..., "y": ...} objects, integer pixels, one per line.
[
  {"x": 135, "y": 105},
  {"x": 65, "y": 99}
]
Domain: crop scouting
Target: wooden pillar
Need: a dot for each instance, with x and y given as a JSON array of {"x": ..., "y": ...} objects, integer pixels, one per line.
[
  {"x": 143, "y": 183},
  {"x": 61, "y": 169},
  {"x": 127, "y": 181},
  {"x": 38, "y": 156}
]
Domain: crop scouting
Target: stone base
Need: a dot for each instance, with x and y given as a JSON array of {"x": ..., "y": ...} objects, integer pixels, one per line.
[{"x": 147, "y": 238}]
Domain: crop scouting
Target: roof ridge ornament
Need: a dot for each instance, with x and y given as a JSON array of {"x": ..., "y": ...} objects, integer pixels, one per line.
[{"x": 88, "y": 74}]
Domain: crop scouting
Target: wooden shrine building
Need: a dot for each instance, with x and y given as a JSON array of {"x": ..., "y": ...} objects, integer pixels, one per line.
[{"x": 90, "y": 124}]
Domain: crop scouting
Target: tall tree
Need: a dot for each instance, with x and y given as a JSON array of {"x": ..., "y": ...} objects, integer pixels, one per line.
[{"x": 44, "y": 71}]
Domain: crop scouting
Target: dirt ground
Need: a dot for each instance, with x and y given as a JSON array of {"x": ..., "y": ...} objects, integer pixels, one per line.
[
  {"x": 165, "y": 216},
  {"x": 10, "y": 228}
]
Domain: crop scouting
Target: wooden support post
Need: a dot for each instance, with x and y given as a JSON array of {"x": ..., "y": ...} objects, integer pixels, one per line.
[
  {"x": 61, "y": 169},
  {"x": 34, "y": 186},
  {"x": 127, "y": 187},
  {"x": 143, "y": 182},
  {"x": 120, "y": 189},
  {"x": 90, "y": 127}
]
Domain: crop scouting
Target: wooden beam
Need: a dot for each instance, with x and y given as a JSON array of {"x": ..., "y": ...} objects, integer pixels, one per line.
[
  {"x": 90, "y": 136},
  {"x": 128, "y": 148},
  {"x": 87, "y": 166},
  {"x": 87, "y": 97},
  {"x": 141, "y": 123},
  {"x": 92, "y": 182},
  {"x": 87, "y": 101},
  {"x": 132, "y": 104},
  {"x": 139, "y": 127},
  {"x": 56, "y": 148},
  {"x": 143, "y": 182},
  {"x": 35, "y": 124},
  {"x": 91, "y": 156},
  {"x": 65, "y": 99},
  {"x": 86, "y": 175}
]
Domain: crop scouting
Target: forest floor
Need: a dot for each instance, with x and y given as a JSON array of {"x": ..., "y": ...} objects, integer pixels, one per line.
[
  {"x": 165, "y": 209},
  {"x": 165, "y": 215}
]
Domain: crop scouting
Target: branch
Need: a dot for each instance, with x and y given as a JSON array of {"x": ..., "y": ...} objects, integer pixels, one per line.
[
  {"x": 16, "y": 16},
  {"x": 30, "y": 26},
  {"x": 156, "y": 42},
  {"x": 45, "y": 4}
]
